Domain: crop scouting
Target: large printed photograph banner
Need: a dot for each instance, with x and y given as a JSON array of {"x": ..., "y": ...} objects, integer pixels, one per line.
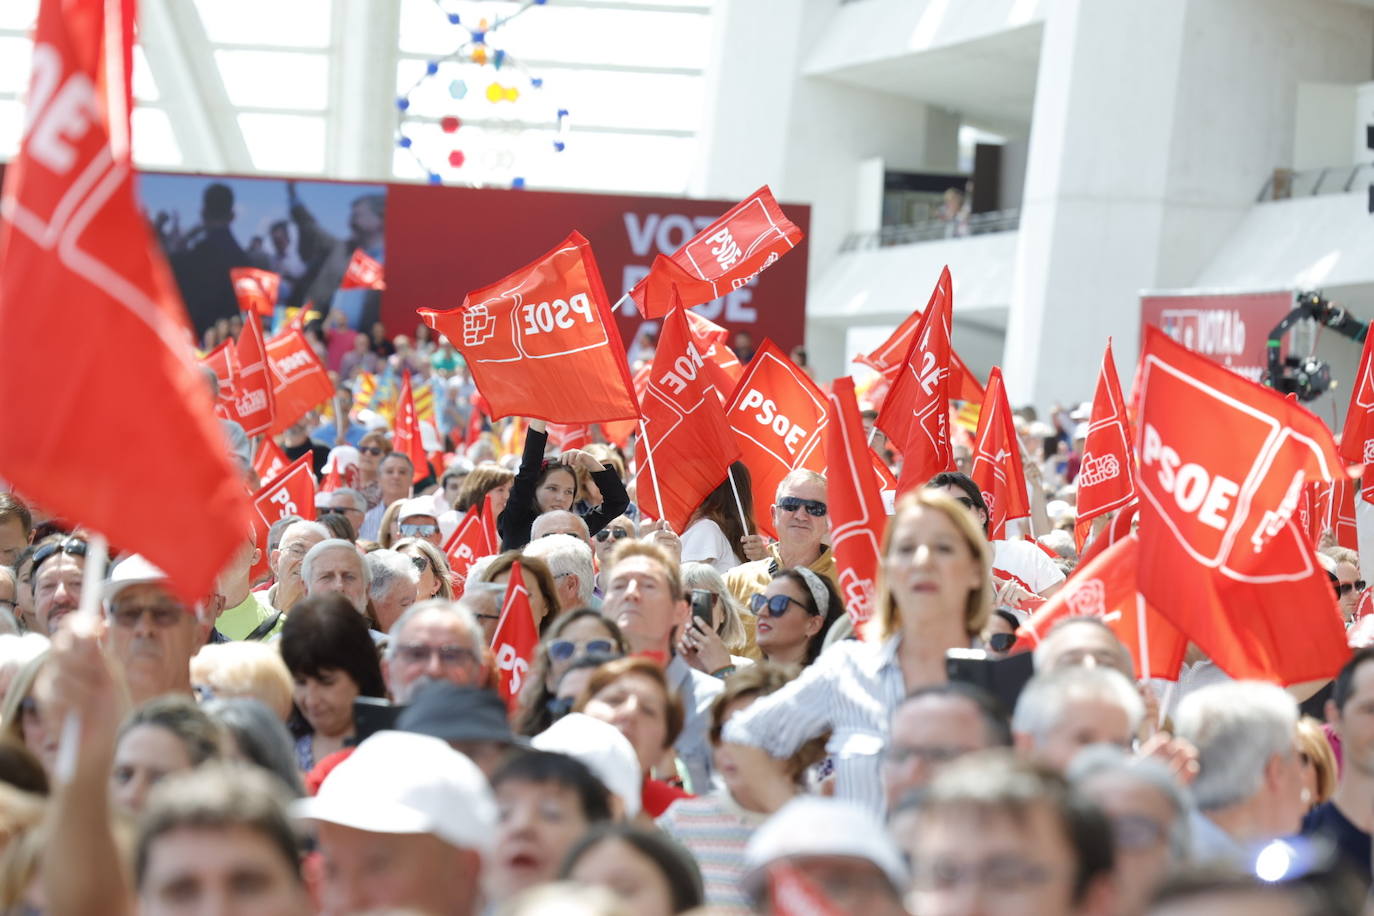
[{"x": 1228, "y": 328}]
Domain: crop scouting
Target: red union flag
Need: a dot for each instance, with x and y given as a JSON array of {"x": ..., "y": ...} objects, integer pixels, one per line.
[
  {"x": 721, "y": 258},
  {"x": 778, "y": 417},
  {"x": 363, "y": 272},
  {"x": 300, "y": 381},
  {"x": 1357, "y": 439},
  {"x": 542, "y": 342},
  {"x": 515, "y": 640},
  {"x": 1106, "y": 477},
  {"x": 915, "y": 412},
  {"x": 857, "y": 517},
  {"x": 997, "y": 460},
  {"x": 270, "y": 459},
  {"x": 254, "y": 405},
  {"x": 405, "y": 434},
  {"x": 1221, "y": 554},
  {"x": 74, "y": 244},
  {"x": 685, "y": 428},
  {"x": 1107, "y": 588},
  {"x": 256, "y": 289}
]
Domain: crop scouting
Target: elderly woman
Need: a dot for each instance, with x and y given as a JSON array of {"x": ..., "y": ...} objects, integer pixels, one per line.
[
  {"x": 538, "y": 580},
  {"x": 332, "y": 659},
  {"x": 935, "y": 595}
]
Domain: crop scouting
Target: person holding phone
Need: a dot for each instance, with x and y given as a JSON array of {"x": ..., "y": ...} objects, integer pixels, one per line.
[{"x": 715, "y": 638}]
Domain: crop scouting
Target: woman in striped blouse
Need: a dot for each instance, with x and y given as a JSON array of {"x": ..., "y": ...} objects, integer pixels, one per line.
[{"x": 935, "y": 595}]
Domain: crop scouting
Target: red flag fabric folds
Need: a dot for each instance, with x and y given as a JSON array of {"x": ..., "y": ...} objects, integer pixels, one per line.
[
  {"x": 405, "y": 434},
  {"x": 254, "y": 403},
  {"x": 889, "y": 356},
  {"x": 300, "y": 381},
  {"x": 721, "y": 258},
  {"x": 464, "y": 546},
  {"x": 1221, "y": 554},
  {"x": 256, "y": 289},
  {"x": 997, "y": 466},
  {"x": 857, "y": 517},
  {"x": 73, "y": 243},
  {"x": 722, "y": 365},
  {"x": 778, "y": 418},
  {"x": 542, "y": 342},
  {"x": 1106, "y": 477},
  {"x": 515, "y": 640},
  {"x": 685, "y": 427},
  {"x": 363, "y": 272},
  {"x": 1357, "y": 438},
  {"x": 270, "y": 459}
]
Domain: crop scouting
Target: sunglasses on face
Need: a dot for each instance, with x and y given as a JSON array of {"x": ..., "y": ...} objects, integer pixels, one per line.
[
  {"x": 164, "y": 615},
  {"x": 371, "y": 450},
  {"x": 776, "y": 605},
  {"x": 606, "y": 533},
  {"x": 560, "y": 650},
  {"x": 814, "y": 507},
  {"x": 419, "y": 531},
  {"x": 1345, "y": 588},
  {"x": 1001, "y": 642},
  {"x": 333, "y": 511}
]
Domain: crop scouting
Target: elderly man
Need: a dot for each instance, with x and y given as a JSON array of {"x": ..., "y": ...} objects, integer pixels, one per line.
[
  {"x": 1085, "y": 642},
  {"x": 560, "y": 521},
  {"x": 56, "y": 572},
  {"x": 417, "y": 519},
  {"x": 151, "y": 634},
  {"x": 435, "y": 640},
  {"x": 335, "y": 567},
  {"x": 394, "y": 583},
  {"x": 570, "y": 561},
  {"x": 285, "y": 563},
  {"x": 1249, "y": 784},
  {"x": 244, "y": 617},
  {"x": 404, "y": 824},
  {"x": 345, "y": 501},
  {"x": 800, "y": 517},
  {"x": 933, "y": 726},
  {"x": 644, "y": 596},
  {"x": 1061, "y": 712}
]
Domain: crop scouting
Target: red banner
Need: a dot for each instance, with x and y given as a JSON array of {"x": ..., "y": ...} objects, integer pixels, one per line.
[
  {"x": 515, "y": 640},
  {"x": 857, "y": 517},
  {"x": 464, "y": 546},
  {"x": 1106, "y": 476},
  {"x": 1230, "y": 329},
  {"x": 541, "y": 342},
  {"x": 363, "y": 272},
  {"x": 255, "y": 289},
  {"x": 997, "y": 466},
  {"x": 292, "y": 492},
  {"x": 301, "y": 381}
]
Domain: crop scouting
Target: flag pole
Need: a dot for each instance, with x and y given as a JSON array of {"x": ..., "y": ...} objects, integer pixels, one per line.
[
  {"x": 85, "y": 619},
  {"x": 618, "y": 303},
  {"x": 653, "y": 471},
  {"x": 739, "y": 504}
]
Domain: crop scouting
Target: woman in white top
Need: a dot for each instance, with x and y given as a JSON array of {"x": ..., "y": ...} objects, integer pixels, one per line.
[
  {"x": 714, "y": 531},
  {"x": 935, "y": 595}
]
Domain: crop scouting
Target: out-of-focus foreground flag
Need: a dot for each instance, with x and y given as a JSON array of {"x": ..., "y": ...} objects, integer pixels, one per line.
[{"x": 96, "y": 348}]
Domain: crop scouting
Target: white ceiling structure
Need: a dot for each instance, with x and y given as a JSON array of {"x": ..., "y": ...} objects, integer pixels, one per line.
[{"x": 310, "y": 87}]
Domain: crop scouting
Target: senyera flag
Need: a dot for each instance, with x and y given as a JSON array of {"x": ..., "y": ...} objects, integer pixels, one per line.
[
  {"x": 1106, "y": 476},
  {"x": 256, "y": 289},
  {"x": 254, "y": 399},
  {"x": 1222, "y": 466},
  {"x": 1106, "y": 588},
  {"x": 515, "y": 640},
  {"x": 542, "y": 342},
  {"x": 857, "y": 517},
  {"x": 363, "y": 272},
  {"x": 405, "y": 434},
  {"x": 915, "y": 412},
  {"x": 721, "y": 258},
  {"x": 686, "y": 447},
  {"x": 997, "y": 468},
  {"x": 778, "y": 418},
  {"x": 300, "y": 381},
  {"x": 73, "y": 243}
]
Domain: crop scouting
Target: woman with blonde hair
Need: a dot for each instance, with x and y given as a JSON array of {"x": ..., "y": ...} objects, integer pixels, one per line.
[
  {"x": 935, "y": 595},
  {"x": 251, "y": 670},
  {"x": 21, "y": 715},
  {"x": 1319, "y": 771},
  {"x": 719, "y": 647},
  {"x": 435, "y": 581}
]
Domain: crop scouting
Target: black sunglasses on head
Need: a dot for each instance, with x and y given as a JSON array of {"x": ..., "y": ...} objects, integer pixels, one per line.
[
  {"x": 813, "y": 507},
  {"x": 69, "y": 545}
]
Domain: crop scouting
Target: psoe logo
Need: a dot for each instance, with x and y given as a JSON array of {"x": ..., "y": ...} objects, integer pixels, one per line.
[
  {"x": 1368, "y": 451},
  {"x": 1098, "y": 469},
  {"x": 479, "y": 325},
  {"x": 857, "y": 594},
  {"x": 726, "y": 250},
  {"x": 507, "y": 659},
  {"x": 1087, "y": 598}
]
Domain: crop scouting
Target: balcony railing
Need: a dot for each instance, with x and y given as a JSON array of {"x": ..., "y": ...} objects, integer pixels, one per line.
[
  {"x": 1286, "y": 184},
  {"x": 933, "y": 230}
]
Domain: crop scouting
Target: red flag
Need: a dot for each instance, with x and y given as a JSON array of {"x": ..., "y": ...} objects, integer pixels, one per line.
[
  {"x": 301, "y": 383},
  {"x": 224, "y": 360},
  {"x": 883, "y": 473},
  {"x": 1357, "y": 439},
  {"x": 493, "y": 540},
  {"x": 857, "y": 517},
  {"x": 778, "y": 417},
  {"x": 256, "y": 289},
  {"x": 92, "y": 323},
  {"x": 542, "y": 342},
  {"x": 685, "y": 426},
  {"x": 1106, "y": 588},
  {"x": 363, "y": 272},
  {"x": 254, "y": 405},
  {"x": 566, "y": 436},
  {"x": 889, "y": 357},
  {"x": 405, "y": 434},
  {"x": 792, "y": 893},
  {"x": 1106, "y": 477},
  {"x": 723, "y": 368},
  {"x": 915, "y": 412},
  {"x": 464, "y": 546},
  {"x": 270, "y": 459},
  {"x": 292, "y": 492},
  {"x": 1339, "y": 514},
  {"x": 721, "y": 258},
  {"x": 515, "y": 640},
  {"x": 997, "y": 460},
  {"x": 1122, "y": 524},
  {"x": 1222, "y": 466}
]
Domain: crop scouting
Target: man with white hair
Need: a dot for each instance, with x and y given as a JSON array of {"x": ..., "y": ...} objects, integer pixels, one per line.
[
  {"x": 570, "y": 562},
  {"x": 800, "y": 515},
  {"x": 435, "y": 640},
  {"x": 1061, "y": 712},
  {"x": 560, "y": 521},
  {"x": 1249, "y": 784},
  {"x": 394, "y": 585},
  {"x": 346, "y": 501},
  {"x": 285, "y": 562},
  {"x": 334, "y": 566}
]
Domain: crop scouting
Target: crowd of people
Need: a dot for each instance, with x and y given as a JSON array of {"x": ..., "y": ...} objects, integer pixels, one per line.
[{"x": 700, "y": 728}]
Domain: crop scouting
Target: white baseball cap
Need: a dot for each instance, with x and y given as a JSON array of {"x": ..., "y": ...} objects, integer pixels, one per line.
[
  {"x": 402, "y": 782},
  {"x": 813, "y": 825},
  {"x": 419, "y": 505},
  {"x": 132, "y": 570},
  {"x": 603, "y": 749}
]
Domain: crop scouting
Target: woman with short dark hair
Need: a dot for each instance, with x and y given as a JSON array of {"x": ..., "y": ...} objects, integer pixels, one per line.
[{"x": 653, "y": 875}]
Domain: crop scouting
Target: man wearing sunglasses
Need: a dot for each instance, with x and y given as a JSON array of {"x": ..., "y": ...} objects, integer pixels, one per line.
[
  {"x": 435, "y": 640},
  {"x": 151, "y": 633},
  {"x": 346, "y": 501},
  {"x": 801, "y": 517},
  {"x": 1347, "y": 582},
  {"x": 417, "y": 520}
]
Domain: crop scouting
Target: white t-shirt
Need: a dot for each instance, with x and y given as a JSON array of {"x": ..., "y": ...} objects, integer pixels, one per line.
[
  {"x": 704, "y": 542},
  {"x": 1027, "y": 562}
]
